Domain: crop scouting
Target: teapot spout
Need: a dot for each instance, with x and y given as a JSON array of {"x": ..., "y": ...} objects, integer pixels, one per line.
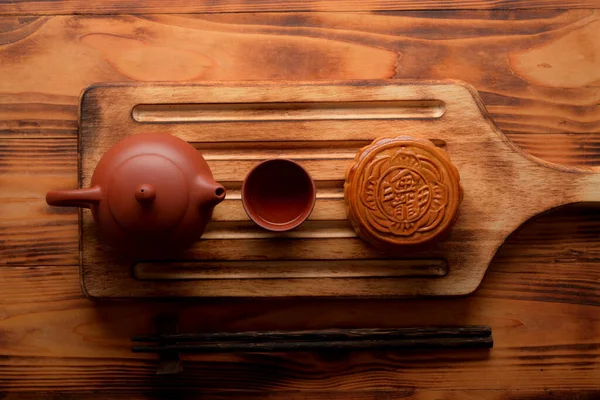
[
  {"x": 74, "y": 198},
  {"x": 210, "y": 193}
]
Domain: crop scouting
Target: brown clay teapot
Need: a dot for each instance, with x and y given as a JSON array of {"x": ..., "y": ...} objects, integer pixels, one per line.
[{"x": 148, "y": 192}]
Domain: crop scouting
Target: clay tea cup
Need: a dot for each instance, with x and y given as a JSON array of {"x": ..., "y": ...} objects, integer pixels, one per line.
[{"x": 278, "y": 194}]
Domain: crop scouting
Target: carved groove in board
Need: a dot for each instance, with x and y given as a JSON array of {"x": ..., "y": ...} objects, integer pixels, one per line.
[
  {"x": 296, "y": 269},
  {"x": 249, "y": 230},
  {"x": 289, "y": 111},
  {"x": 327, "y": 208},
  {"x": 300, "y": 150},
  {"x": 329, "y": 191}
]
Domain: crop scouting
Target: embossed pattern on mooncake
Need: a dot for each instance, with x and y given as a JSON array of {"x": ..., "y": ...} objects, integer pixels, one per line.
[{"x": 402, "y": 191}]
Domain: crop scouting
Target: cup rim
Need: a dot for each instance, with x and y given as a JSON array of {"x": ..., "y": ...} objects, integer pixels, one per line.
[{"x": 289, "y": 225}]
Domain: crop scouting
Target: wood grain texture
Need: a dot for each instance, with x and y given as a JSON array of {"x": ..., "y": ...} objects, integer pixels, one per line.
[
  {"x": 53, "y": 7},
  {"x": 412, "y": 394},
  {"x": 544, "y": 315},
  {"x": 495, "y": 51},
  {"x": 30, "y": 231},
  {"x": 540, "y": 294}
]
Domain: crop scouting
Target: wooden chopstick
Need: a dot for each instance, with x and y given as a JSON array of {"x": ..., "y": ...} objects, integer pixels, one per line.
[
  {"x": 231, "y": 347},
  {"x": 330, "y": 339},
  {"x": 323, "y": 335}
]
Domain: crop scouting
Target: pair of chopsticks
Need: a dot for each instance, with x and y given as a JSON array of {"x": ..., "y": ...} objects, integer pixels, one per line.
[{"x": 475, "y": 336}]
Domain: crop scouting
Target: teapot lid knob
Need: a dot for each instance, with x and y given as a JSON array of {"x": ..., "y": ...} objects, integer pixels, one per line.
[{"x": 145, "y": 193}]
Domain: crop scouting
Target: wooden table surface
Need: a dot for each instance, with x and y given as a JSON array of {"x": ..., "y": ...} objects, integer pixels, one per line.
[{"x": 537, "y": 67}]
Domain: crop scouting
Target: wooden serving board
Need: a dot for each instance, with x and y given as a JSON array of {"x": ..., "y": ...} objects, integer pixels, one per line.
[{"x": 321, "y": 126}]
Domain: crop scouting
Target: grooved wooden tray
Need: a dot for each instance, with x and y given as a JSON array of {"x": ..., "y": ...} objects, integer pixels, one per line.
[{"x": 322, "y": 126}]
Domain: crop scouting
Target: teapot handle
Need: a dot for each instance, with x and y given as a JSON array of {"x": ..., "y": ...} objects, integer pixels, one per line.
[{"x": 74, "y": 198}]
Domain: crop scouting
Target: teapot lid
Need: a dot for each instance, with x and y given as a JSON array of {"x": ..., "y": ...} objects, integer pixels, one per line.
[{"x": 147, "y": 193}]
